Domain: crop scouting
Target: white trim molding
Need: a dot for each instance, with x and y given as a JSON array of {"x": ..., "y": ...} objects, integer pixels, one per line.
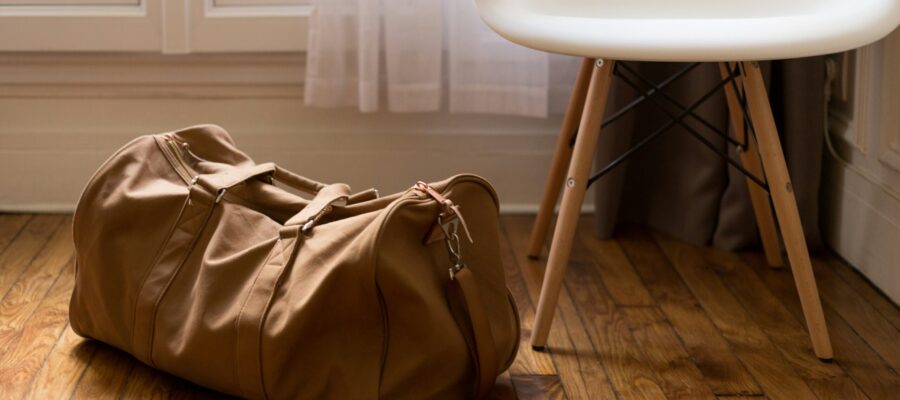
[
  {"x": 81, "y": 27},
  {"x": 861, "y": 182},
  {"x": 889, "y": 149},
  {"x": 251, "y": 8},
  {"x": 148, "y": 76},
  {"x": 275, "y": 26},
  {"x": 158, "y": 26},
  {"x": 63, "y": 9},
  {"x": 848, "y": 111}
]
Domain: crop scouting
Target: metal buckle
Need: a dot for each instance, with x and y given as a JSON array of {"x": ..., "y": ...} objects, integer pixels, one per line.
[{"x": 454, "y": 250}]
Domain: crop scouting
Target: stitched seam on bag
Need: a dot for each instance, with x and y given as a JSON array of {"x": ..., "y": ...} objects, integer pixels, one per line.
[
  {"x": 265, "y": 313},
  {"x": 374, "y": 254},
  {"x": 518, "y": 336},
  {"x": 149, "y": 271},
  {"x": 168, "y": 284},
  {"x": 237, "y": 321},
  {"x": 383, "y": 302},
  {"x": 385, "y": 321},
  {"x": 455, "y": 180}
]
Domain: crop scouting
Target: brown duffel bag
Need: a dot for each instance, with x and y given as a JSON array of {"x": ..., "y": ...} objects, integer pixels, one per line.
[{"x": 190, "y": 258}]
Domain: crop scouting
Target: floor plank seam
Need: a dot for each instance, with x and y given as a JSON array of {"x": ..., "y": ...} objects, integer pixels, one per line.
[
  {"x": 31, "y": 261},
  {"x": 684, "y": 345},
  {"x": 593, "y": 347},
  {"x": 863, "y": 338},
  {"x": 28, "y": 318},
  {"x": 866, "y": 280},
  {"x": 731, "y": 346},
  {"x": 519, "y": 268},
  {"x": 15, "y": 236},
  {"x": 796, "y": 319},
  {"x": 852, "y": 328},
  {"x": 47, "y": 357}
]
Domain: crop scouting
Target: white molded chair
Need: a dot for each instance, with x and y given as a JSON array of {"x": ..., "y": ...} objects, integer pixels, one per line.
[{"x": 735, "y": 34}]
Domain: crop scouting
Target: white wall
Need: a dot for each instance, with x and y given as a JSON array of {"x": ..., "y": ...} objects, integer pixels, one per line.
[
  {"x": 62, "y": 114},
  {"x": 862, "y": 199}
]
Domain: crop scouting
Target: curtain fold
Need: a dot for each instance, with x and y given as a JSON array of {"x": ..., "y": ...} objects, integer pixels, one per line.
[
  {"x": 679, "y": 187},
  {"x": 470, "y": 65},
  {"x": 413, "y": 47},
  {"x": 342, "y": 55},
  {"x": 489, "y": 75}
]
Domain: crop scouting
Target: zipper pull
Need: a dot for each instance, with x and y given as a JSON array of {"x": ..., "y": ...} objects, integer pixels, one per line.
[{"x": 191, "y": 188}]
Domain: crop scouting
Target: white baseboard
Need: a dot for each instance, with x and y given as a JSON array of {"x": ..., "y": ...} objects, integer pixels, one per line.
[
  {"x": 862, "y": 224},
  {"x": 861, "y": 220}
]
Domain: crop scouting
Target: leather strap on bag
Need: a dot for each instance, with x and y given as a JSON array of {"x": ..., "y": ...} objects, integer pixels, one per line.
[
  {"x": 320, "y": 205},
  {"x": 249, "y": 323},
  {"x": 464, "y": 299},
  {"x": 326, "y": 194},
  {"x": 469, "y": 313},
  {"x": 235, "y": 176}
]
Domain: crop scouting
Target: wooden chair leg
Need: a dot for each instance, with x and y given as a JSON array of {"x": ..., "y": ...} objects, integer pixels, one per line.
[
  {"x": 785, "y": 207},
  {"x": 573, "y": 196},
  {"x": 750, "y": 159},
  {"x": 561, "y": 158}
]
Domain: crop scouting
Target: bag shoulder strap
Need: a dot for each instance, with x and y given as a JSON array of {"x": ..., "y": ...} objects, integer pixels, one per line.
[{"x": 469, "y": 312}]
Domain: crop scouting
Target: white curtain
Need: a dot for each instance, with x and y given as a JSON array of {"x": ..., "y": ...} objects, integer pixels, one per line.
[{"x": 417, "y": 55}]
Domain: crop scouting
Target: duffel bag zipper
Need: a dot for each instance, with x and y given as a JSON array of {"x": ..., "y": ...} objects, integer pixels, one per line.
[
  {"x": 181, "y": 168},
  {"x": 174, "y": 151}
]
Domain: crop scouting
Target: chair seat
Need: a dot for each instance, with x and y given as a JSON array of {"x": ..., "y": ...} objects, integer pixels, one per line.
[{"x": 691, "y": 30}]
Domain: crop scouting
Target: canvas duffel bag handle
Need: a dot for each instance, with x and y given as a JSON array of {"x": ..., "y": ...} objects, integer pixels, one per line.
[
  {"x": 235, "y": 176},
  {"x": 326, "y": 195}
]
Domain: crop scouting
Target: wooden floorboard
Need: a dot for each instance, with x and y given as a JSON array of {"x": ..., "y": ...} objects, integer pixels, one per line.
[
  {"x": 527, "y": 362},
  {"x": 538, "y": 387},
  {"x": 870, "y": 324},
  {"x": 784, "y": 330},
  {"x": 864, "y": 289},
  {"x": 860, "y": 361},
  {"x": 641, "y": 316},
  {"x": 26, "y": 245},
  {"x": 705, "y": 345},
  {"x": 63, "y": 367},
  {"x": 144, "y": 382},
  {"x": 10, "y": 226},
  {"x": 750, "y": 344},
  {"x": 657, "y": 349},
  {"x": 33, "y": 312},
  {"x": 573, "y": 353}
]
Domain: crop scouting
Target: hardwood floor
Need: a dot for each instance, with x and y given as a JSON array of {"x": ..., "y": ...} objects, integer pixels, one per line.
[{"x": 641, "y": 316}]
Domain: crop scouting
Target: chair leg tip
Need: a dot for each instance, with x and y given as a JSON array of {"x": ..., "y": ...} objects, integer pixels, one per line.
[{"x": 827, "y": 360}]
